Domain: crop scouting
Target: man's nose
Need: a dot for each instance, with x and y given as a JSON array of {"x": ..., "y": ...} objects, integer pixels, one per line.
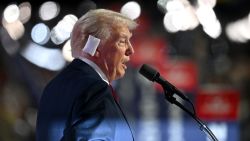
[{"x": 130, "y": 49}]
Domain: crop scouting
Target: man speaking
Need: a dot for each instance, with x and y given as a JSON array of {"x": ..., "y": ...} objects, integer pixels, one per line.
[{"x": 78, "y": 104}]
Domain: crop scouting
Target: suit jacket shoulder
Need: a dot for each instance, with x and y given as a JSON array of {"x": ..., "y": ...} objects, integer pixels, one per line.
[{"x": 78, "y": 104}]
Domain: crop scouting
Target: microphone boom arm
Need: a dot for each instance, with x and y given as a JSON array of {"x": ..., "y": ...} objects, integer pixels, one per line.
[{"x": 203, "y": 127}]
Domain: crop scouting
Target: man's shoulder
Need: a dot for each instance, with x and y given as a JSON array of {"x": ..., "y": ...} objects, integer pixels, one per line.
[{"x": 76, "y": 74}]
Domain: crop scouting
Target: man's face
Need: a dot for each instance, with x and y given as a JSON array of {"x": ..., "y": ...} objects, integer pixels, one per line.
[{"x": 116, "y": 53}]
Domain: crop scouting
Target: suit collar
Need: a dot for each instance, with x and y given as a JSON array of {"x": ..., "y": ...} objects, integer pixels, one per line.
[
  {"x": 96, "y": 68},
  {"x": 86, "y": 68}
]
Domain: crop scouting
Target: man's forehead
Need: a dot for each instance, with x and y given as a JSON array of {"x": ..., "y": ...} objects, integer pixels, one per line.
[
  {"x": 126, "y": 35},
  {"x": 121, "y": 31}
]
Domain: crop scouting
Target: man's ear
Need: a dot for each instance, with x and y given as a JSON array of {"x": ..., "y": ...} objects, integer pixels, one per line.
[{"x": 91, "y": 45}]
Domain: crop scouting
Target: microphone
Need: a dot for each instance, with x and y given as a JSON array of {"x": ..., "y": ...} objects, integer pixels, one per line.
[{"x": 153, "y": 75}]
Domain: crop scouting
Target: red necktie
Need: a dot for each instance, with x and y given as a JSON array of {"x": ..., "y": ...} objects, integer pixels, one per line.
[{"x": 116, "y": 97}]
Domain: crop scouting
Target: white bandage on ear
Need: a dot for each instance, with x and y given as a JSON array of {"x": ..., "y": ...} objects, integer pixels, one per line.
[{"x": 91, "y": 45}]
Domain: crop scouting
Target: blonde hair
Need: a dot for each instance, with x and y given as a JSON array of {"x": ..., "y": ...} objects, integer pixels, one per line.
[{"x": 98, "y": 23}]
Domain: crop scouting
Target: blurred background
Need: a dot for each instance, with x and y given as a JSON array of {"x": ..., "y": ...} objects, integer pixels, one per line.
[{"x": 200, "y": 46}]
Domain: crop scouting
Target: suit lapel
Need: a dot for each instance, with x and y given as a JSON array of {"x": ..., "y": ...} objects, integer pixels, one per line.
[
  {"x": 79, "y": 64},
  {"x": 120, "y": 109}
]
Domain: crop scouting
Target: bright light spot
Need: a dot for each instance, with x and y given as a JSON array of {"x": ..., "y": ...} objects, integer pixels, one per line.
[
  {"x": 40, "y": 33},
  {"x": 66, "y": 51},
  {"x": 43, "y": 57},
  {"x": 61, "y": 32},
  {"x": 131, "y": 9},
  {"x": 69, "y": 22},
  {"x": 14, "y": 29},
  {"x": 169, "y": 23},
  {"x": 176, "y": 127},
  {"x": 239, "y": 31},
  {"x": 49, "y": 10},
  {"x": 149, "y": 129},
  {"x": 173, "y": 18},
  {"x": 205, "y": 14},
  {"x": 244, "y": 28},
  {"x": 190, "y": 19},
  {"x": 213, "y": 30},
  {"x": 210, "y": 3},
  {"x": 25, "y": 12},
  {"x": 208, "y": 20},
  {"x": 11, "y": 13},
  {"x": 180, "y": 16},
  {"x": 174, "y": 5},
  {"x": 220, "y": 130}
]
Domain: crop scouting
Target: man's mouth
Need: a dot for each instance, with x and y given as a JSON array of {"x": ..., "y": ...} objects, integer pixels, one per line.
[{"x": 124, "y": 65}]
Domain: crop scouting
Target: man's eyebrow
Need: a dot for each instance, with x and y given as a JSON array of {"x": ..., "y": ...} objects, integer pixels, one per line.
[{"x": 123, "y": 35}]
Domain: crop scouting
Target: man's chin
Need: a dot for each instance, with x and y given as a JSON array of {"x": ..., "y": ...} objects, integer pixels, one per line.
[{"x": 121, "y": 74}]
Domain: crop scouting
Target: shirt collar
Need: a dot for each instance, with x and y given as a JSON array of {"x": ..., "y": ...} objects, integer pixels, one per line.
[{"x": 96, "y": 68}]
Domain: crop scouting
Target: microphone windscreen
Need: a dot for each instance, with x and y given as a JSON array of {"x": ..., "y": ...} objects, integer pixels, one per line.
[{"x": 149, "y": 72}]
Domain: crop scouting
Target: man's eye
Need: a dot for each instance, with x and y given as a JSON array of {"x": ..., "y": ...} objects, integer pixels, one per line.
[{"x": 123, "y": 41}]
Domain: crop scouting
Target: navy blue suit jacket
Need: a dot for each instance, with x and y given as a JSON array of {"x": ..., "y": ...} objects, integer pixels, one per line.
[{"x": 78, "y": 105}]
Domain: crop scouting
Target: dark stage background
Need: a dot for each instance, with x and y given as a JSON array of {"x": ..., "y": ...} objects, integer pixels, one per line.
[{"x": 211, "y": 69}]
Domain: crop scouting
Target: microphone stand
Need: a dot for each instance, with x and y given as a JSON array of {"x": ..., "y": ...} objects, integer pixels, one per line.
[{"x": 169, "y": 97}]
